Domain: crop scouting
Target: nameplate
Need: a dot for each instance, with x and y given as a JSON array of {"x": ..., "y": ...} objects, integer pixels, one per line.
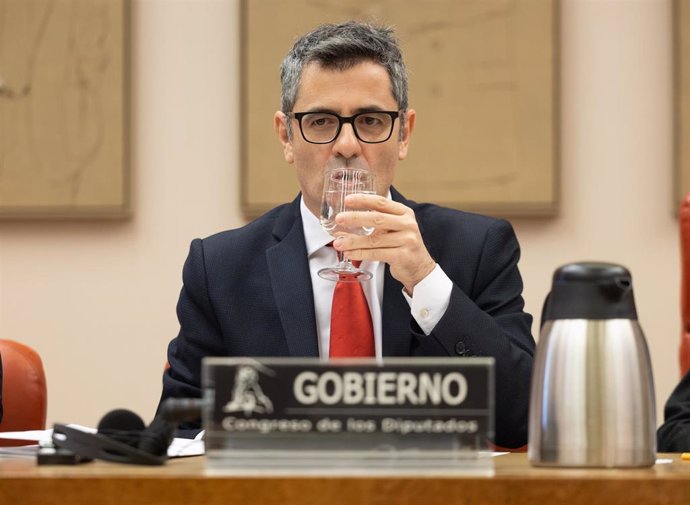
[{"x": 402, "y": 403}]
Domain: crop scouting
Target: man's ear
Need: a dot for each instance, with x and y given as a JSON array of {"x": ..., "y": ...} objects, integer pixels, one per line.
[
  {"x": 280, "y": 125},
  {"x": 410, "y": 116}
]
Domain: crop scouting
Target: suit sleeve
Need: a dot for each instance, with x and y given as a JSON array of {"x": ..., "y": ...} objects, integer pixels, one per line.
[
  {"x": 199, "y": 334},
  {"x": 674, "y": 434},
  {"x": 490, "y": 321}
]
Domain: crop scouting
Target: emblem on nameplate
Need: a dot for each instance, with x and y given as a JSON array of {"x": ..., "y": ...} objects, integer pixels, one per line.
[{"x": 247, "y": 395}]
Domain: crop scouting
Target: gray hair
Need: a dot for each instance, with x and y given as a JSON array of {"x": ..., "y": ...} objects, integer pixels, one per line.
[{"x": 340, "y": 47}]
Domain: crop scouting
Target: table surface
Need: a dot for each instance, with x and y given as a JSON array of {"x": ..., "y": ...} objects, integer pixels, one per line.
[{"x": 187, "y": 481}]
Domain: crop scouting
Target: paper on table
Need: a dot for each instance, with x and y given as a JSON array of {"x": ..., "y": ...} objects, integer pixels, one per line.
[
  {"x": 181, "y": 447},
  {"x": 36, "y": 435},
  {"x": 27, "y": 451},
  {"x": 178, "y": 448}
]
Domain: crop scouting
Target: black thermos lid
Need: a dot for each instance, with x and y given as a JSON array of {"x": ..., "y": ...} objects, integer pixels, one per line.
[{"x": 590, "y": 290}]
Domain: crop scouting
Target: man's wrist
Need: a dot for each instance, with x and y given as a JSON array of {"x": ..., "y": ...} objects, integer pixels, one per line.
[
  {"x": 431, "y": 299},
  {"x": 424, "y": 273}
]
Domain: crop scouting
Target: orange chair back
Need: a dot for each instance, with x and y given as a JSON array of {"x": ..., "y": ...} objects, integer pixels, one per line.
[
  {"x": 684, "y": 220},
  {"x": 24, "y": 394}
]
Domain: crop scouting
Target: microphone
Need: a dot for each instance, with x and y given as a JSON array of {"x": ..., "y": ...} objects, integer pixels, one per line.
[
  {"x": 120, "y": 419},
  {"x": 123, "y": 438},
  {"x": 127, "y": 427},
  {"x": 99, "y": 446},
  {"x": 122, "y": 425}
]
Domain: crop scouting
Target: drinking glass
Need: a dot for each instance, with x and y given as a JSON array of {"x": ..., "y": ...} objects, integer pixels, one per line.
[{"x": 338, "y": 183}]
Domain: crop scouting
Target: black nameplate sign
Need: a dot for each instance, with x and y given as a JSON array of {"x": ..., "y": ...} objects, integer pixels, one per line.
[{"x": 434, "y": 403}]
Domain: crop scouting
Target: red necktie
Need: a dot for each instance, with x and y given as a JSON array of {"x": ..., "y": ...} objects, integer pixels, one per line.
[{"x": 352, "y": 333}]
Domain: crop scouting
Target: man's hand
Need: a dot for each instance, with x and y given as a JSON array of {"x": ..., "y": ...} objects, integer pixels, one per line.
[{"x": 395, "y": 240}]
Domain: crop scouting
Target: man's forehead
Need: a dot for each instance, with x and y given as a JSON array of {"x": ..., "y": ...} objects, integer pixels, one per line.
[{"x": 318, "y": 82}]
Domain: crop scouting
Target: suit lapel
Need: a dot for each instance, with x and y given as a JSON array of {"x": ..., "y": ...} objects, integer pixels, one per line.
[
  {"x": 395, "y": 316},
  {"x": 291, "y": 282},
  {"x": 396, "y": 311}
]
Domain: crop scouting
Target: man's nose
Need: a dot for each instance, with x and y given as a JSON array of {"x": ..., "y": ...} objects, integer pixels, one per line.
[{"x": 347, "y": 144}]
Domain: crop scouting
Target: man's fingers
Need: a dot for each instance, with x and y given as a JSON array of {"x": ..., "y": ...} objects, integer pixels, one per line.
[
  {"x": 396, "y": 239},
  {"x": 377, "y": 219},
  {"x": 368, "y": 219},
  {"x": 374, "y": 242},
  {"x": 385, "y": 255},
  {"x": 382, "y": 204}
]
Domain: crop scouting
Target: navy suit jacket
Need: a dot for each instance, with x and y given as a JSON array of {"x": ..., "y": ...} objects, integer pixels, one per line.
[
  {"x": 674, "y": 434},
  {"x": 247, "y": 292}
]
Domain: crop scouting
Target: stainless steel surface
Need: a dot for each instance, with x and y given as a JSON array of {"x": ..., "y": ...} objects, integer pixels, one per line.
[{"x": 592, "y": 399}]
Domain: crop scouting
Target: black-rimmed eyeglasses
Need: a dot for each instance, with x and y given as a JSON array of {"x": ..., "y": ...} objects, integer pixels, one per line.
[{"x": 372, "y": 127}]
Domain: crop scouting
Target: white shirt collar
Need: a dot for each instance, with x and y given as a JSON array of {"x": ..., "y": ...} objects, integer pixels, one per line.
[{"x": 315, "y": 236}]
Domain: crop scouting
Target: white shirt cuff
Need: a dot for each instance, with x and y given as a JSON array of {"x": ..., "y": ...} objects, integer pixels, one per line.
[{"x": 430, "y": 300}]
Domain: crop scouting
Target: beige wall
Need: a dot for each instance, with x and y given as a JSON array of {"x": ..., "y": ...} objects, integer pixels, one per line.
[{"x": 97, "y": 299}]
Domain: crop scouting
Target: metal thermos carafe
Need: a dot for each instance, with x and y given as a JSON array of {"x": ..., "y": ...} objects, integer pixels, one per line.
[{"x": 592, "y": 398}]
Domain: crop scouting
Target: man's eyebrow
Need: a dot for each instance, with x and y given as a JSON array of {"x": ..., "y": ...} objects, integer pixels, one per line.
[{"x": 370, "y": 108}]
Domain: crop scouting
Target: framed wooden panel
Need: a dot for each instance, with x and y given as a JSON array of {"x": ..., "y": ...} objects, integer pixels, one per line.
[
  {"x": 483, "y": 80},
  {"x": 63, "y": 108},
  {"x": 682, "y": 108}
]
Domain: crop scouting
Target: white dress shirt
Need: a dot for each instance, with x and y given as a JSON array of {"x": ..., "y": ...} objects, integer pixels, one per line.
[{"x": 427, "y": 306}]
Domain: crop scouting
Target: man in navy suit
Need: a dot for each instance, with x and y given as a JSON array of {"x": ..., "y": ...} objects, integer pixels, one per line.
[
  {"x": 674, "y": 434},
  {"x": 446, "y": 283}
]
